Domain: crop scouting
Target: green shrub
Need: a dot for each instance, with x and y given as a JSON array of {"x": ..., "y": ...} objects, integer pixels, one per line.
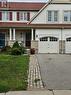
[
  {"x": 16, "y": 45},
  {"x": 16, "y": 51},
  {"x": 4, "y": 87},
  {"x": 23, "y": 49},
  {"x": 6, "y": 49}
]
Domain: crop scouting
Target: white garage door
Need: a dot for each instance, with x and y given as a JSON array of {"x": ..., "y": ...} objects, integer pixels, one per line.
[
  {"x": 68, "y": 45},
  {"x": 48, "y": 45}
]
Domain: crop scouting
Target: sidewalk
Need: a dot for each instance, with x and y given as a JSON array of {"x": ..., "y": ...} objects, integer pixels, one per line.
[
  {"x": 54, "y": 92},
  {"x": 34, "y": 77}
]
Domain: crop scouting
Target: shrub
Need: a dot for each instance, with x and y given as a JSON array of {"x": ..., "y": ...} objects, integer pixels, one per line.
[
  {"x": 6, "y": 49},
  {"x": 32, "y": 51},
  {"x": 16, "y": 45},
  {"x": 4, "y": 87},
  {"x": 23, "y": 49},
  {"x": 16, "y": 51}
]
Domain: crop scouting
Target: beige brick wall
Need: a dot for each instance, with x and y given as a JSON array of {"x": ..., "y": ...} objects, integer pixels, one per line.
[
  {"x": 34, "y": 44},
  {"x": 62, "y": 46}
]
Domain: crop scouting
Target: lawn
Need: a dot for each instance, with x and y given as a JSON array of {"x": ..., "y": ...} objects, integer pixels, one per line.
[{"x": 13, "y": 72}]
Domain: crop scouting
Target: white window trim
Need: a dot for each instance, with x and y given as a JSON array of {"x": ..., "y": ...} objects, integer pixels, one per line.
[
  {"x": 68, "y": 17},
  {"x": 6, "y": 18},
  {"x": 52, "y": 17},
  {"x": 23, "y": 18}
]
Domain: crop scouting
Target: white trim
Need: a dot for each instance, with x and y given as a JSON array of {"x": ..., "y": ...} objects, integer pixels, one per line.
[
  {"x": 32, "y": 34},
  {"x": 10, "y": 31},
  {"x": 14, "y": 34}
]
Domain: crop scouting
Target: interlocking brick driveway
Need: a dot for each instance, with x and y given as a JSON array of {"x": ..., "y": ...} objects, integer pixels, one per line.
[{"x": 55, "y": 70}]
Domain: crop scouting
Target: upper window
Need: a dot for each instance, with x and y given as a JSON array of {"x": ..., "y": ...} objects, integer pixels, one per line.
[
  {"x": 55, "y": 15},
  {"x": 49, "y": 16},
  {"x": 67, "y": 16},
  {"x": 23, "y": 16},
  {"x": 6, "y": 16},
  {"x": 52, "y": 16}
]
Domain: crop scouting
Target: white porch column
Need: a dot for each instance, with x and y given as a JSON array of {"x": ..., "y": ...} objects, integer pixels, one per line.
[
  {"x": 32, "y": 34},
  {"x": 10, "y": 31},
  {"x": 14, "y": 34}
]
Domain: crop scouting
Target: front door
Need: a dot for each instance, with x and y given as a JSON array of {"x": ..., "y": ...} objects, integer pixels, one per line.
[
  {"x": 2, "y": 40},
  {"x": 28, "y": 39}
]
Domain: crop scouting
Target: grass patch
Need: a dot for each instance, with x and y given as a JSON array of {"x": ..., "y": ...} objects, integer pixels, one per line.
[{"x": 13, "y": 72}]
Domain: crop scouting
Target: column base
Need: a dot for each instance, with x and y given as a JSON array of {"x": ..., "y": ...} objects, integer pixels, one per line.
[{"x": 10, "y": 43}]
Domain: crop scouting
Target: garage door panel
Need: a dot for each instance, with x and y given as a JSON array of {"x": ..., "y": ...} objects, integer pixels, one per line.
[
  {"x": 48, "y": 45},
  {"x": 68, "y": 45},
  {"x": 54, "y": 48},
  {"x": 43, "y": 47}
]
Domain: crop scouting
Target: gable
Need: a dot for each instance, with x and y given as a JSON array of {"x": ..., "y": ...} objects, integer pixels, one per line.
[
  {"x": 61, "y": 1},
  {"x": 41, "y": 18}
]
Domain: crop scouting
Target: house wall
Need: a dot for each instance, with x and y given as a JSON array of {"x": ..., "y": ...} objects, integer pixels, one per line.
[
  {"x": 61, "y": 34},
  {"x": 42, "y": 17},
  {"x": 14, "y": 16},
  {"x": 47, "y": 32},
  {"x": 32, "y": 13}
]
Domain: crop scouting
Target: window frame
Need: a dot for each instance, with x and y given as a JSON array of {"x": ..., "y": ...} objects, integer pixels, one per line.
[
  {"x": 6, "y": 15},
  {"x": 53, "y": 15},
  {"x": 23, "y": 16},
  {"x": 69, "y": 15}
]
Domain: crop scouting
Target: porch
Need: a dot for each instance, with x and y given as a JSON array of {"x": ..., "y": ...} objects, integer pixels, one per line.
[{"x": 9, "y": 35}]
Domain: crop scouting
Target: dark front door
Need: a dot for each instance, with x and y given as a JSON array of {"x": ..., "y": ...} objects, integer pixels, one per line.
[
  {"x": 28, "y": 39},
  {"x": 2, "y": 40}
]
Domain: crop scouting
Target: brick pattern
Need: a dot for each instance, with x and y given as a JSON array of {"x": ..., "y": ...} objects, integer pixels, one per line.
[{"x": 34, "y": 74}]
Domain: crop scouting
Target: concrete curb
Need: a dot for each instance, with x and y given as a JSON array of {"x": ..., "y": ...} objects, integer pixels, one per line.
[{"x": 47, "y": 92}]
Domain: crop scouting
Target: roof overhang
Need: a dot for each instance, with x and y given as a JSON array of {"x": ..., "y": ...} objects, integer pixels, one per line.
[{"x": 35, "y": 26}]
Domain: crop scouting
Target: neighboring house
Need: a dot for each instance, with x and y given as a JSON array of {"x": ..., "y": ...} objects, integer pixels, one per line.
[
  {"x": 14, "y": 17},
  {"x": 45, "y": 27}
]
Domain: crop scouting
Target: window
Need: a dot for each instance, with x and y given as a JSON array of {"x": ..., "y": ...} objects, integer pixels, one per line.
[
  {"x": 53, "y": 16},
  {"x": 70, "y": 16},
  {"x": 53, "y": 39},
  {"x": 44, "y": 39},
  {"x": 66, "y": 15},
  {"x": 0, "y": 15},
  {"x": 49, "y": 16},
  {"x": 6, "y": 16},
  {"x": 68, "y": 39},
  {"x": 23, "y": 16}
]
